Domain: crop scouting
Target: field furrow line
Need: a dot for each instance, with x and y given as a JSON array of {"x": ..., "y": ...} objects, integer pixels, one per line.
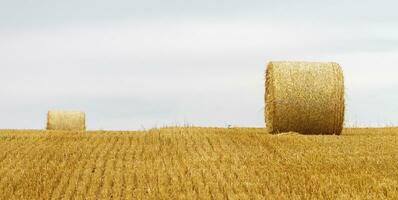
[
  {"x": 85, "y": 176},
  {"x": 98, "y": 178},
  {"x": 11, "y": 172},
  {"x": 61, "y": 177},
  {"x": 109, "y": 172},
  {"x": 17, "y": 183},
  {"x": 164, "y": 174},
  {"x": 6, "y": 149},
  {"x": 7, "y": 165},
  {"x": 81, "y": 168},
  {"x": 119, "y": 179},
  {"x": 94, "y": 178},
  {"x": 129, "y": 167},
  {"x": 141, "y": 187},
  {"x": 70, "y": 168},
  {"x": 47, "y": 164},
  {"x": 19, "y": 150}
]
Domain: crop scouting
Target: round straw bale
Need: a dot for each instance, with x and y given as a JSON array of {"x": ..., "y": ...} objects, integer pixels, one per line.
[
  {"x": 304, "y": 97},
  {"x": 66, "y": 120}
]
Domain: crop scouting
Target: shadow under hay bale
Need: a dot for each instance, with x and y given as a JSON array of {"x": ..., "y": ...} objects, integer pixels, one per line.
[
  {"x": 66, "y": 121},
  {"x": 304, "y": 97}
]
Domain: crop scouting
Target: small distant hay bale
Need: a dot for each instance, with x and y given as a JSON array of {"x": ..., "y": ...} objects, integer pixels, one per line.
[
  {"x": 66, "y": 121},
  {"x": 304, "y": 97}
]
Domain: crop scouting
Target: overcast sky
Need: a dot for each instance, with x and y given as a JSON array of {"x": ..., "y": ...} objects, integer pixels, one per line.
[{"x": 141, "y": 64}]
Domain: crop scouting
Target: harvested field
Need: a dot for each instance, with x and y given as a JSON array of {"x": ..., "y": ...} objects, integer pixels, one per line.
[{"x": 198, "y": 163}]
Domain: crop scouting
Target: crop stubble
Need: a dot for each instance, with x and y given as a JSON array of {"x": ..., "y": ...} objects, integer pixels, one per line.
[{"x": 202, "y": 163}]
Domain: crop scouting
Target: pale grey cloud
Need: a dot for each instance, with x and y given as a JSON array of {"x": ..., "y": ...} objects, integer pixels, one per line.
[
  {"x": 44, "y": 12},
  {"x": 142, "y": 64}
]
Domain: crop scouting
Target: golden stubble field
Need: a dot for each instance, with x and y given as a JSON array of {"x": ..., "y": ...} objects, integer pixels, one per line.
[{"x": 198, "y": 163}]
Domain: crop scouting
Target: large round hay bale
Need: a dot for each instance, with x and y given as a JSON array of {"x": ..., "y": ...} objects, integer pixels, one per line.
[
  {"x": 66, "y": 120},
  {"x": 304, "y": 97}
]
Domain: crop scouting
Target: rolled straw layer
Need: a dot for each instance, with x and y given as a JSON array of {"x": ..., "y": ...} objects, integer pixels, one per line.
[
  {"x": 68, "y": 121},
  {"x": 304, "y": 97}
]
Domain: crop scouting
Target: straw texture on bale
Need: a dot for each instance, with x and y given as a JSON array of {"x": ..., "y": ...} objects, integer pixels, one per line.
[
  {"x": 304, "y": 97},
  {"x": 68, "y": 121}
]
